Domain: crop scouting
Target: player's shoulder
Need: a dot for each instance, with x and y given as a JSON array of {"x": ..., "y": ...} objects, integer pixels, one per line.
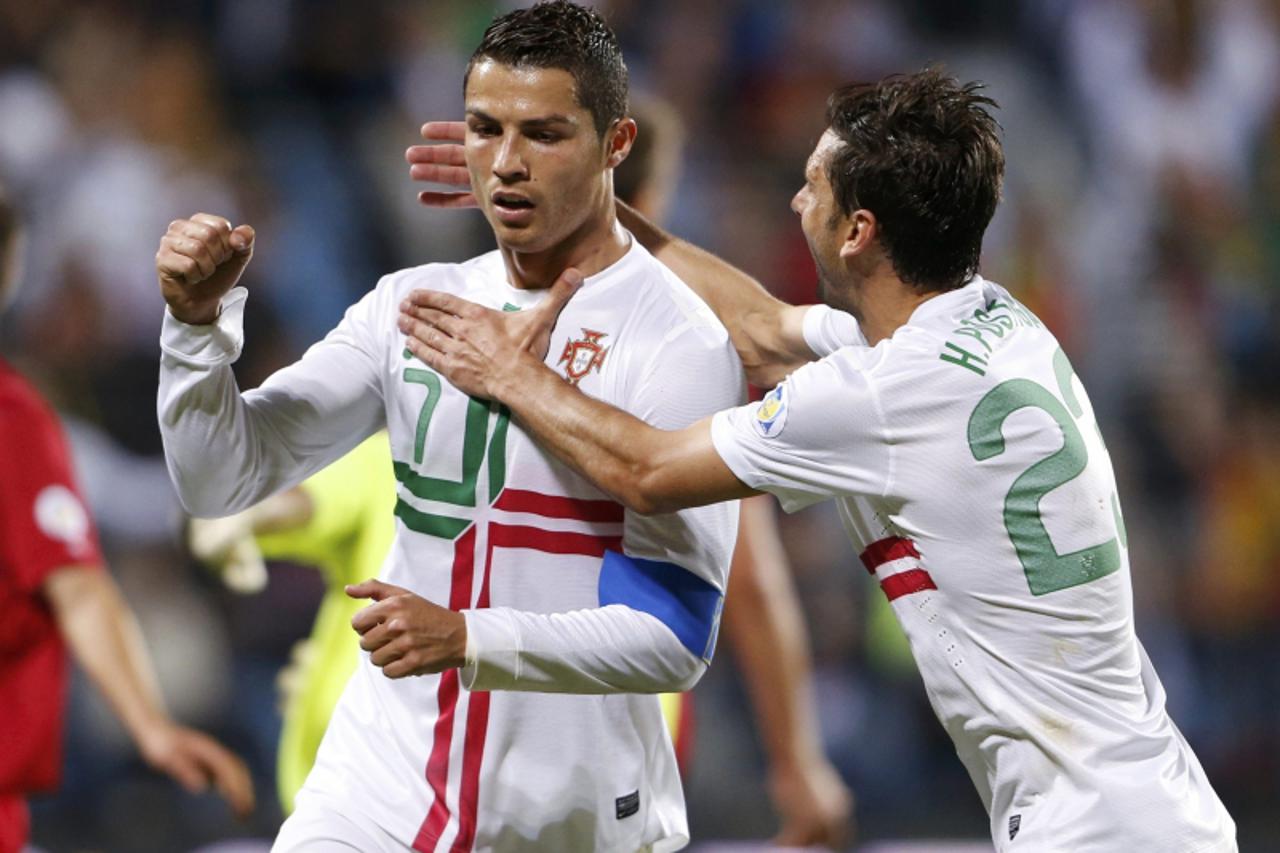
[
  {"x": 972, "y": 328},
  {"x": 666, "y": 288},
  {"x": 954, "y": 345},
  {"x": 28, "y": 421},
  {"x": 20, "y": 402},
  {"x": 458, "y": 278},
  {"x": 955, "y": 349},
  {"x": 659, "y": 305}
]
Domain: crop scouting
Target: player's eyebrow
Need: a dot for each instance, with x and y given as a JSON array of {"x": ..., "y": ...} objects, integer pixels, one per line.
[
  {"x": 539, "y": 123},
  {"x": 546, "y": 122}
]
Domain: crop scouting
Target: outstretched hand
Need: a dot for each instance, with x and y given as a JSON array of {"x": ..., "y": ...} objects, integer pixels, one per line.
[
  {"x": 815, "y": 806},
  {"x": 476, "y": 348},
  {"x": 195, "y": 760},
  {"x": 442, "y": 163},
  {"x": 406, "y": 634}
]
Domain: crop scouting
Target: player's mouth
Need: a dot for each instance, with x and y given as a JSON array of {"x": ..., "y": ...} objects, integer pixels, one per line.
[{"x": 513, "y": 208}]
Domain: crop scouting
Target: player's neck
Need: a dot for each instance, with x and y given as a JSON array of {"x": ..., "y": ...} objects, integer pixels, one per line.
[
  {"x": 886, "y": 304},
  {"x": 599, "y": 244}
]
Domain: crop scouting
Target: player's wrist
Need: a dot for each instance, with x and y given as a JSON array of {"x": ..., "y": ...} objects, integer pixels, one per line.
[
  {"x": 457, "y": 642},
  {"x": 203, "y": 314},
  {"x": 785, "y": 770},
  {"x": 519, "y": 377},
  {"x": 794, "y": 761},
  {"x": 154, "y": 737}
]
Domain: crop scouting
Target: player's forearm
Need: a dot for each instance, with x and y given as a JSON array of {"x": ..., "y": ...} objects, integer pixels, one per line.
[
  {"x": 226, "y": 451},
  {"x": 612, "y": 649},
  {"x": 764, "y": 627},
  {"x": 765, "y": 330},
  {"x": 208, "y": 436},
  {"x": 199, "y": 412},
  {"x": 104, "y": 638},
  {"x": 619, "y": 453}
]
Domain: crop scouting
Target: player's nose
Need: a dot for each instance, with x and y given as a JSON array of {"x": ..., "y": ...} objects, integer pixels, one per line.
[
  {"x": 797, "y": 201},
  {"x": 509, "y": 162}
]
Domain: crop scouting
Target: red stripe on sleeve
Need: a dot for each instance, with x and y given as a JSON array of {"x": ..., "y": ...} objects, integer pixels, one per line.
[
  {"x": 905, "y": 583},
  {"x": 887, "y": 550}
]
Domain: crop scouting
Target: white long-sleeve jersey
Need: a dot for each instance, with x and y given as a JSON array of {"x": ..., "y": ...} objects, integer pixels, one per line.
[
  {"x": 973, "y": 481},
  {"x": 490, "y": 525}
]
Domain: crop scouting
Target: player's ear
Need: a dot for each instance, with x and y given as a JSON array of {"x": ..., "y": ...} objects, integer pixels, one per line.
[
  {"x": 619, "y": 138},
  {"x": 859, "y": 231}
]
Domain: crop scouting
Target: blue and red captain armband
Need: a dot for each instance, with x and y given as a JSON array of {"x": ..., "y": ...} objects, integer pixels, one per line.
[{"x": 684, "y": 602}]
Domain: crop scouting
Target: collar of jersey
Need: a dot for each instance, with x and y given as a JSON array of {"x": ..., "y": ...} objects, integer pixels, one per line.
[
  {"x": 950, "y": 303},
  {"x": 528, "y": 298}
]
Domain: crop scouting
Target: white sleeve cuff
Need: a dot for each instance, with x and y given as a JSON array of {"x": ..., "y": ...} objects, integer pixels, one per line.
[
  {"x": 724, "y": 426},
  {"x": 827, "y": 330},
  {"x": 218, "y": 343},
  {"x": 493, "y": 650}
]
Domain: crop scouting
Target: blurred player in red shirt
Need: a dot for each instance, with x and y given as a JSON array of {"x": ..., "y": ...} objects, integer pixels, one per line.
[{"x": 55, "y": 593}]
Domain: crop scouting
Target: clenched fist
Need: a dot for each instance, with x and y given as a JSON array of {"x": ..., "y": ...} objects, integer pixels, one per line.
[{"x": 200, "y": 259}]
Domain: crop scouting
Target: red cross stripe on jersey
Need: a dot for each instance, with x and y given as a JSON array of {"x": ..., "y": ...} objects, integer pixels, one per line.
[
  {"x": 896, "y": 563},
  {"x": 447, "y": 696},
  {"x": 556, "y": 506},
  {"x": 477, "y": 716}
]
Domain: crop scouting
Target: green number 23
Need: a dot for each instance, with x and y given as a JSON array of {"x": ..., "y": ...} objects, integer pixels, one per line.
[{"x": 1047, "y": 570}]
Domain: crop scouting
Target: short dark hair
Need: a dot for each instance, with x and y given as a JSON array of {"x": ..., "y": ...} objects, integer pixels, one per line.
[
  {"x": 922, "y": 153},
  {"x": 567, "y": 36}
]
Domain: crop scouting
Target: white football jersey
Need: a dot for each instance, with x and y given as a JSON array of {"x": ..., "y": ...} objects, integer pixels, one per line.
[
  {"x": 973, "y": 481},
  {"x": 490, "y": 525}
]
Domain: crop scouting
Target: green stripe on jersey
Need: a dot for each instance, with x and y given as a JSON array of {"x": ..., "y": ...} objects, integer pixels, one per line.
[{"x": 429, "y": 524}]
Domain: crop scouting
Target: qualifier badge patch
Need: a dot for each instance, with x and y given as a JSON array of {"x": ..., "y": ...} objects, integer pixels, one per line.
[
  {"x": 60, "y": 516},
  {"x": 771, "y": 413}
]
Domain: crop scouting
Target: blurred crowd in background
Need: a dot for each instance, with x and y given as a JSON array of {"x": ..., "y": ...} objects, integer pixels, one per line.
[{"x": 1141, "y": 220}]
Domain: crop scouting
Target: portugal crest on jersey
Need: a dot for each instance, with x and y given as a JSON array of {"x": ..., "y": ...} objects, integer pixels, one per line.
[{"x": 582, "y": 356}]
